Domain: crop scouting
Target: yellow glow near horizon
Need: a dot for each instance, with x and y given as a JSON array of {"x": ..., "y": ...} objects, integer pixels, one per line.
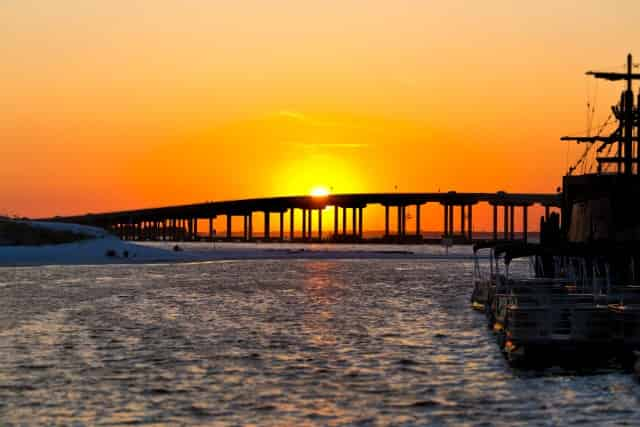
[{"x": 319, "y": 191}]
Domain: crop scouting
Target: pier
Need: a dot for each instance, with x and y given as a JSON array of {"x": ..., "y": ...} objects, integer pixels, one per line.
[{"x": 180, "y": 222}]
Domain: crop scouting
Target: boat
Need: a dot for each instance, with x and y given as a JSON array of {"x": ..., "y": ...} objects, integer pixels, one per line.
[{"x": 580, "y": 298}]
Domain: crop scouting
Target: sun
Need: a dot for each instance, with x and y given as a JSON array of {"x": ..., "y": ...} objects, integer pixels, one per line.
[{"x": 319, "y": 191}]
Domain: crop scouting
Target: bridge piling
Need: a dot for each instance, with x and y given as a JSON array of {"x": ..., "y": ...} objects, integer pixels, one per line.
[
  {"x": 281, "y": 228},
  {"x": 291, "y": 223},
  {"x": 524, "y": 223},
  {"x": 386, "y": 221},
  {"x": 512, "y": 215},
  {"x": 344, "y": 221},
  {"x": 354, "y": 219},
  {"x": 470, "y": 223},
  {"x": 446, "y": 220}
]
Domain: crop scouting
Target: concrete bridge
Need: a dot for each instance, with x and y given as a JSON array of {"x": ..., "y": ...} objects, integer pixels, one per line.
[{"x": 181, "y": 222}]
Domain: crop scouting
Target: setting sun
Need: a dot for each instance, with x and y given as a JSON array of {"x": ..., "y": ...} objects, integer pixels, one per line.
[{"x": 319, "y": 191}]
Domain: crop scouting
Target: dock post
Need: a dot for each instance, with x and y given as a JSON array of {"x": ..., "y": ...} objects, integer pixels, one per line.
[
  {"x": 211, "y": 229},
  {"x": 512, "y": 208},
  {"x": 228, "y": 226},
  {"x": 310, "y": 224},
  {"x": 320, "y": 224},
  {"x": 386, "y": 221},
  {"x": 418, "y": 219},
  {"x": 335, "y": 221},
  {"x": 291, "y": 223},
  {"x": 546, "y": 213},
  {"x": 250, "y": 225},
  {"x": 195, "y": 228},
  {"x": 360, "y": 221},
  {"x": 304, "y": 224},
  {"x": 399, "y": 221},
  {"x": 281, "y": 226},
  {"x": 245, "y": 227},
  {"x": 267, "y": 225},
  {"x": 470, "y": 208},
  {"x": 525, "y": 208},
  {"x": 462, "y": 222}
]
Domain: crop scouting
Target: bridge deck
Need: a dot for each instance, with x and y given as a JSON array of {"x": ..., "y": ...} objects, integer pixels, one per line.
[{"x": 282, "y": 204}]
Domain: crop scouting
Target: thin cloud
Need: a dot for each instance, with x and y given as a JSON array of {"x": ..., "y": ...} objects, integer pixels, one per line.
[
  {"x": 298, "y": 116},
  {"x": 338, "y": 145}
]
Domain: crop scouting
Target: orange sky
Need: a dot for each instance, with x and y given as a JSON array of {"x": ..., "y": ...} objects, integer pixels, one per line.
[{"x": 126, "y": 104}]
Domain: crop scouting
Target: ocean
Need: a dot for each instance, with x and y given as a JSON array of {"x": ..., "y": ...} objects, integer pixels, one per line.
[{"x": 274, "y": 342}]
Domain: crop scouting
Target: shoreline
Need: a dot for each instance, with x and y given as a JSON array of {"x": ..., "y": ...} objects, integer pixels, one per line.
[{"x": 95, "y": 251}]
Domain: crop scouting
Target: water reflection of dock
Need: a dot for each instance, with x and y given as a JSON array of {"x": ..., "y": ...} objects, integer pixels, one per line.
[{"x": 181, "y": 222}]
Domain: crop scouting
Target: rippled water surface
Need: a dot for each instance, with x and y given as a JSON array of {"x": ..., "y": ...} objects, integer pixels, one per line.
[{"x": 273, "y": 342}]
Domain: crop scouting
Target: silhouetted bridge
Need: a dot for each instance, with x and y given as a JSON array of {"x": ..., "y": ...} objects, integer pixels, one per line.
[{"x": 181, "y": 222}]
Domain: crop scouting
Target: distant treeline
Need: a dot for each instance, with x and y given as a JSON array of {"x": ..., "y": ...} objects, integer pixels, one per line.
[{"x": 20, "y": 233}]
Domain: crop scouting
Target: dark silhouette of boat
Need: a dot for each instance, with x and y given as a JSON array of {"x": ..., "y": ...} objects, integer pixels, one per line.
[{"x": 581, "y": 300}]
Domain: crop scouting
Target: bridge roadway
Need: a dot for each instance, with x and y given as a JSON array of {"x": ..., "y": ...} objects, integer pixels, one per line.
[{"x": 181, "y": 222}]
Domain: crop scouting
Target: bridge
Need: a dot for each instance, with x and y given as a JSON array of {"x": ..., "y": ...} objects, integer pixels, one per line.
[{"x": 180, "y": 222}]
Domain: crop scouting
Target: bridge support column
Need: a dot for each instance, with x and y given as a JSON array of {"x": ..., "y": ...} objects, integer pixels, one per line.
[
  {"x": 386, "y": 221},
  {"x": 399, "y": 221},
  {"x": 320, "y": 224},
  {"x": 291, "y": 223},
  {"x": 470, "y": 223},
  {"x": 281, "y": 226},
  {"x": 245, "y": 227},
  {"x": 176, "y": 229},
  {"x": 354, "y": 219},
  {"x": 546, "y": 213},
  {"x": 446, "y": 220},
  {"x": 360, "y": 221},
  {"x": 418, "y": 219},
  {"x": 512, "y": 216},
  {"x": 462, "y": 222},
  {"x": 250, "y": 221},
  {"x": 344, "y": 221},
  {"x": 336, "y": 230},
  {"x": 451, "y": 218},
  {"x": 310, "y": 224},
  {"x": 506, "y": 222},
  {"x": 404, "y": 221},
  {"x": 211, "y": 229},
  {"x": 228, "y": 226},
  {"x": 267, "y": 226},
  {"x": 524, "y": 223},
  {"x": 495, "y": 222},
  {"x": 304, "y": 224},
  {"x": 195, "y": 228}
]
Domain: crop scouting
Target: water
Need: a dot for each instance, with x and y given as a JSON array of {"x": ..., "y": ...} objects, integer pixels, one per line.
[{"x": 293, "y": 342}]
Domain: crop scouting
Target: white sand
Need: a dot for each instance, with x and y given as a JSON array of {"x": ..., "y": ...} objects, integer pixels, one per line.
[{"x": 93, "y": 251}]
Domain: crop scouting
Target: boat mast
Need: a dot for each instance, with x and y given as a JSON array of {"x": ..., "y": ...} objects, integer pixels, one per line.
[{"x": 627, "y": 115}]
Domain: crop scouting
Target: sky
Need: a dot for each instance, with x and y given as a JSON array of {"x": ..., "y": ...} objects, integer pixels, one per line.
[{"x": 130, "y": 104}]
